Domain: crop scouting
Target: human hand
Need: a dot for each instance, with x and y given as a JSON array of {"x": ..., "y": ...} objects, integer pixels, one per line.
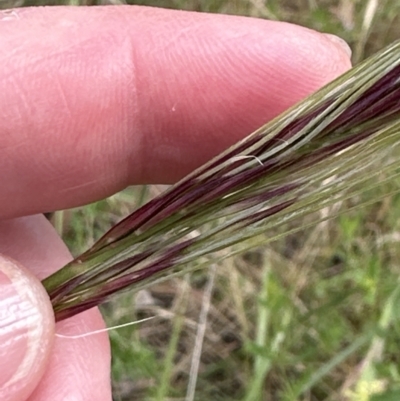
[{"x": 95, "y": 99}]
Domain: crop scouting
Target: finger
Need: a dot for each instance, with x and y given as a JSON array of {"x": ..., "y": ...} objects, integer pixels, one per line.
[
  {"x": 94, "y": 99},
  {"x": 77, "y": 369},
  {"x": 26, "y": 331}
]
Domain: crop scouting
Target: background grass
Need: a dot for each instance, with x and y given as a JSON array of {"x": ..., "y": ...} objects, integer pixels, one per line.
[{"x": 313, "y": 316}]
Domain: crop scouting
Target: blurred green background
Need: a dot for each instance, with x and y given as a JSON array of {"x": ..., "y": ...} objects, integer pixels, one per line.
[{"x": 313, "y": 316}]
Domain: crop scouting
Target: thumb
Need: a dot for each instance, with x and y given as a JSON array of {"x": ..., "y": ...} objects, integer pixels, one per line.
[{"x": 26, "y": 331}]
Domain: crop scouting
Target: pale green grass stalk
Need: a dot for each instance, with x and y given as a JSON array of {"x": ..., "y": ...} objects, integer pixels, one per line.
[
  {"x": 328, "y": 367},
  {"x": 201, "y": 329},
  {"x": 58, "y": 222},
  {"x": 164, "y": 384},
  {"x": 262, "y": 362},
  {"x": 368, "y": 382},
  {"x": 369, "y": 14}
]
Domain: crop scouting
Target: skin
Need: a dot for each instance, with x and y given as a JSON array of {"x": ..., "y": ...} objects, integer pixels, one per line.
[{"x": 95, "y": 99}]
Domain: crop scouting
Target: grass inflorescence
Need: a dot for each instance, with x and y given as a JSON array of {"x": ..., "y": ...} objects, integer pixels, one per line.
[{"x": 312, "y": 156}]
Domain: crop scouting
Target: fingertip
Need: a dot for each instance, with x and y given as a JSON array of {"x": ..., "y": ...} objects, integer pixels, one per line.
[
  {"x": 26, "y": 331},
  {"x": 141, "y": 95},
  {"x": 79, "y": 368},
  {"x": 201, "y": 91},
  {"x": 342, "y": 45}
]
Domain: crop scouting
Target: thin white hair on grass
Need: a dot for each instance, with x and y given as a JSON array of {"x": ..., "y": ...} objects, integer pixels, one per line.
[
  {"x": 91, "y": 333},
  {"x": 235, "y": 158},
  {"x": 281, "y": 140}
]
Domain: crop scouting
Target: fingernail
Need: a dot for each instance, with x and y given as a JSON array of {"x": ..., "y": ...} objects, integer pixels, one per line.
[
  {"x": 13, "y": 330},
  {"x": 341, "y": 43},
  {"x": 23, "y": 347}
]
